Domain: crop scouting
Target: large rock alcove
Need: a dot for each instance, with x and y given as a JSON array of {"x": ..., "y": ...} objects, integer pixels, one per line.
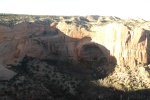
[{"x": 91, "y": 52}]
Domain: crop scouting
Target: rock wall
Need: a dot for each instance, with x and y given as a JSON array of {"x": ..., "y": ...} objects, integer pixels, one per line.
[
  {"x": 118, "y": 43},
  {"x": 69, "y": 42},
  {"x": 130, "y": 48},
  {"x": 64, "y": 42}
]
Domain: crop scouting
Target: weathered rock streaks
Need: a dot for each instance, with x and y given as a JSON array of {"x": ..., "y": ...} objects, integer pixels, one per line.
[
  {"x": 68, "y": 42},
  {"x": 128, "y": 47}
]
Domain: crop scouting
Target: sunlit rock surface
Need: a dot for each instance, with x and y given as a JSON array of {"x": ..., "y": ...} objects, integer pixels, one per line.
[
  {"x": 129, "y": 47},
  {"x": 75, "y": 40},
  {"x": 67, "y": 41}
]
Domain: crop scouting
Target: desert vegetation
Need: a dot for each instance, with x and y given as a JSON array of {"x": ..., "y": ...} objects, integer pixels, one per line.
[
  {"x": 51, "y": 80},
  {"x": 58, "y": 79}
]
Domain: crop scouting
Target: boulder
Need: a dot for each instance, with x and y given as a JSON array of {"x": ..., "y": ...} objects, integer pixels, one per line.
[{"x": 6, "y": 74}]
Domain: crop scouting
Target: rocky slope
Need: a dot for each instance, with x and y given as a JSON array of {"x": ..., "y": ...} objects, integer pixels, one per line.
[
  {"x": 36, "y": 80},
  {"x": 128, "y": 79}
]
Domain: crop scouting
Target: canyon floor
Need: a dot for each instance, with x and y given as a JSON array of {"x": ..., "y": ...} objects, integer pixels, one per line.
[{"x": 46, "y": 71}]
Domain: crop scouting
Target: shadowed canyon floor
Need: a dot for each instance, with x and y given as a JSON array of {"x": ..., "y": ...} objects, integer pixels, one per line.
[{"x": 74, "y": 58}]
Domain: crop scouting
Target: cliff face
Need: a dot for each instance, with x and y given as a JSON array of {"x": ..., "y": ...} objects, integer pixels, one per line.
[
  {"x": 74, "y": 49},
  {"x": 16, "y": 42},
  {"x": 68, "y": 42},
  {"x": 128, "y": 47}
]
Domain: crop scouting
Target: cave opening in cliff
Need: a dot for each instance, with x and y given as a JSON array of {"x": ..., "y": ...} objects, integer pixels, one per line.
[{"x": 92, "y": 53}]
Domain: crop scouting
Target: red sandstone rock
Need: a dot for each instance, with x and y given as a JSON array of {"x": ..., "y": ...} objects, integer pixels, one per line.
[
  {"x": 128, "y": 47},
  {"x": 63, "y": 41}
]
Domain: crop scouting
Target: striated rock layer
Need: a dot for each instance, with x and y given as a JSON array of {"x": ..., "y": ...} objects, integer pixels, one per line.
[
  {"x": 130, "y": 48},
  {"x": 118, "y": 44},
  {"x": 69, "y": 42}
]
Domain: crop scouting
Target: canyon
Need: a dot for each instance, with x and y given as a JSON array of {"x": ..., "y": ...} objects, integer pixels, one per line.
[
  {"x": 61, "y": 41},
  {"x": 106, "y": 41}
]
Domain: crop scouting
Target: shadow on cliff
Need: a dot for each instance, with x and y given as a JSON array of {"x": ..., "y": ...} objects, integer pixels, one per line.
[
  {"x": 90, "y": 62},
  {"x": 87, "y": 62},
  {"x": 80, "y": 56},
  {"x": 94, "y": 62}
]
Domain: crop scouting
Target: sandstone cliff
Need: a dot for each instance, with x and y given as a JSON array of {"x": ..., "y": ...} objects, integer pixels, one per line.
[
  {"x": 129, "y": 47},
  {"x": 64, "y": 41},
  {"x": 74, "y": 58}
]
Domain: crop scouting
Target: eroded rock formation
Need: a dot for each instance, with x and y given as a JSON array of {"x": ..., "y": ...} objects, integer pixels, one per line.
[
  {"x": 128, "y": 47},
  {"x": 69, "y": 42}
]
